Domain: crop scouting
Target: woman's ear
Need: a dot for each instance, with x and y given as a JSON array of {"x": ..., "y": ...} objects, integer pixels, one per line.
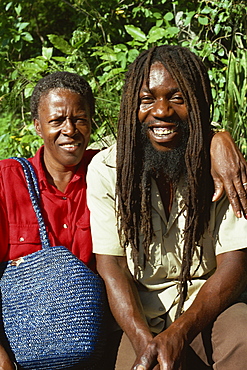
[{"x": 37, "y": 127}]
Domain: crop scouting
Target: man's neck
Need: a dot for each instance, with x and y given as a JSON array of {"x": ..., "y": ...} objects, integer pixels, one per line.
[{"x": 166, "y": 190}]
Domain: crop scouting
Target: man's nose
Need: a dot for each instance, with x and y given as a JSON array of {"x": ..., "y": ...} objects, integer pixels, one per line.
[
  {"x": 162, "y": 108},
  {"x": 69, "y": 127}
]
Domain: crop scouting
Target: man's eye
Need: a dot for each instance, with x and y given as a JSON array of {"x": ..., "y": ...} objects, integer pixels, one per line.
[
  {"x": 146, "y": 99},
  {"x": 178, "y": 99}
]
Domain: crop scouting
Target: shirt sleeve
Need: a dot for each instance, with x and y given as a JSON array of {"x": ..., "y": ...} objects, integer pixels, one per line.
[
  {"x": 101, "y": 180},
  {"x": 4, "y": 229},
  {"x": 230, "y": 231}
]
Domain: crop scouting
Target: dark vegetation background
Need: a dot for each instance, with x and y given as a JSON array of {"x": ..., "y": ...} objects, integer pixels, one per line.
[{"x": 99, "y": 39}]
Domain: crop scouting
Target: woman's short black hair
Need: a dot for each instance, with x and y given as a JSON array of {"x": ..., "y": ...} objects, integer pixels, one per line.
[{"x": 63, "y": 80}]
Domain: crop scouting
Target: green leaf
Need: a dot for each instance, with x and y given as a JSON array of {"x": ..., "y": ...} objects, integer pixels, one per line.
[
  {"x": 18, "y": 9},
  {"x": 172, "y": 31},
  {"x": 236, "y": 93},
  {"x": 135, "y": 32},
  {"x": 206, "y": 10},
  {"x": 28, "y": 90},
  {"x": 157, "y": 15},
  {"x": 27, "y": 37},
  {"x": 190, "y": 15},
  {"x": 80, "y": 38},
  {"x": 8, "y": 6},
  {"x": 203, "y": 21},
  {"x": 47, "y": 53},
  {"x": 108, "y": 76},
  {"x": 22, "y": 25},
  {"x": 61, "y": 44},
  {"x": 221, "y": 52},
  {"x": 120, "y": 48},
  {"x": 60, "y": 59},
  {"x": 159, "y": 22},
  {"x": 132, "y": 55},
  {"x": 168, "y": 16},
  {"x": 156, "y": 34},
  {"x": 231, "y": 73},
  {"x": 217, "y": 28}
]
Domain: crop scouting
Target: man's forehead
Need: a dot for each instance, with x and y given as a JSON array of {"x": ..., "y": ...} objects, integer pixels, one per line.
[
  {"x": 158, "y": 76},
  {"x": 157, "y": 71}
]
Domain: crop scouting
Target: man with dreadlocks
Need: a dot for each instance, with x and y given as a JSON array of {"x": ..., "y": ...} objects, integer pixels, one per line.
[{"x": 174, "y": 263}]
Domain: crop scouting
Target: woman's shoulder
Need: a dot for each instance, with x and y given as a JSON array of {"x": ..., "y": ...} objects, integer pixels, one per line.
[{"x": 9, "y": 163}]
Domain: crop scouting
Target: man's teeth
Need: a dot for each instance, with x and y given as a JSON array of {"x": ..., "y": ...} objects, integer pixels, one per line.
[{"x": 161, "y": 131}]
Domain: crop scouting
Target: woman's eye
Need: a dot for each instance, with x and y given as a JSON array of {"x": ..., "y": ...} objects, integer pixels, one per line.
[
  {"x": 81, "y": 120},
  {"x": 56, "y": 121}
]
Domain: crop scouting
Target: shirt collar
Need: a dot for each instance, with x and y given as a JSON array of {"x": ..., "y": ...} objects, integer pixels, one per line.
[
  {"x": 38, "y": 163},
  {"x": 110, "y": 158}
]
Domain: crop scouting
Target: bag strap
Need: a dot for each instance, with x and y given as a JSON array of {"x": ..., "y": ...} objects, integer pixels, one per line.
[{"x": 33, "y": 189}]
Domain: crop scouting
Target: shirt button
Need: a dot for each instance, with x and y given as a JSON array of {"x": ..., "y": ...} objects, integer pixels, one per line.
[
  {"x": 64, "y": 198},
  {"x": 174, "y": 269},
  {"x": 21, "y": 239},
  {"x": 65, "y": 226},
  {"x": 161, "y": 308}
]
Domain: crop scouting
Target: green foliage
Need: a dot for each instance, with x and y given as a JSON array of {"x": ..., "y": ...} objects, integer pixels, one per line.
[
  {"x": 100, "y": 40},
  {"x": 17, "y": 138},
  {"x": 235, "y": 112}
]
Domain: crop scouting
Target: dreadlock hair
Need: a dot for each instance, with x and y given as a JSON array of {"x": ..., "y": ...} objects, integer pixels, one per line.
[
  {"x": 61, "y": 80},
  {"x": 132, "y": 190}
]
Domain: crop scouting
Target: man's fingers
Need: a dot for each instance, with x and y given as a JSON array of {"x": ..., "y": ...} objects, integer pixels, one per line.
[
  {"x": 148, "y": 360},
  {"x": 236, "y": 192},
  {"x": 157, "y": 367},
  {"x": 238, "y": 200},
  {"x": 218, "y": 190},
  {"x": 141, "y": 367}
]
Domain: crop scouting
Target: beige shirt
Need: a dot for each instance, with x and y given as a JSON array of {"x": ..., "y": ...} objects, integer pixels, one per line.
[{"x": 158, "y": 286}]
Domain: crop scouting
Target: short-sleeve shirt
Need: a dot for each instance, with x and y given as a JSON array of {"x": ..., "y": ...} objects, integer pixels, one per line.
[
  {"x": 158, "y": 281},
  {"x": 65, "y": 213}
]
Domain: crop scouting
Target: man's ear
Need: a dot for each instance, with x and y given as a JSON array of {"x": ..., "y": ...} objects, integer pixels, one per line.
[{"x": 37, "y": 127}]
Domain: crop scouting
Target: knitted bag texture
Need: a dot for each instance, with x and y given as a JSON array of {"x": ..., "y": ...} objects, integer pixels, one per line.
[{"x": 52, "y": 304}]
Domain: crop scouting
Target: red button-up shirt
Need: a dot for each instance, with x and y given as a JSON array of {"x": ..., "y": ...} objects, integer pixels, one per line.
[{"x": 66, "y": 214}]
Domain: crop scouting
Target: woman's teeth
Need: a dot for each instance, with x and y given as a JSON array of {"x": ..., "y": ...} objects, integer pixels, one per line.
[{"x": 69, "y": 145}]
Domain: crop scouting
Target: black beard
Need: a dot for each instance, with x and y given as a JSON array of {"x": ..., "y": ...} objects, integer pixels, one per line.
[{"x": 170, "y": 163}]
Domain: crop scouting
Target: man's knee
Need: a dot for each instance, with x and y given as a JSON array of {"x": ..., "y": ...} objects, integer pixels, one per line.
[{"x": 229, "y": 338}]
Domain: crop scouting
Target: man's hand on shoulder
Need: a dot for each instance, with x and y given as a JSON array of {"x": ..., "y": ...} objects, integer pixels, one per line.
[{"x": 229, "y": 172}]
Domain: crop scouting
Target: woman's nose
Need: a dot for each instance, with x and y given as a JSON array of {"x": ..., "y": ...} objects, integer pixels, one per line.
[{"x": 69, "y": 127}]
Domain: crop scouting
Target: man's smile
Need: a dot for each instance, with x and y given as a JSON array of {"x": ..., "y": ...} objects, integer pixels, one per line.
[{"x": 163, "y": 131}]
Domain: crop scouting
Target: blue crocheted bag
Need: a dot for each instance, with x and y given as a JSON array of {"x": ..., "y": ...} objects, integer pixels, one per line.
[{"x": 52, "y": 304}]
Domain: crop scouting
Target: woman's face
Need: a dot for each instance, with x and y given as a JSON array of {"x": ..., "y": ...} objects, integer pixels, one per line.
[{"x": 64, "y": 123}]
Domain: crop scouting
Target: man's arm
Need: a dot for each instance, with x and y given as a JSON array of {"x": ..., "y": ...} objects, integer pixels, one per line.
[
  {"x": 5, "y": 362},
  {"x": 229, "y": 171},
  {"x": 218, "y": 292},
  {"x": 124, "y": 299}
]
